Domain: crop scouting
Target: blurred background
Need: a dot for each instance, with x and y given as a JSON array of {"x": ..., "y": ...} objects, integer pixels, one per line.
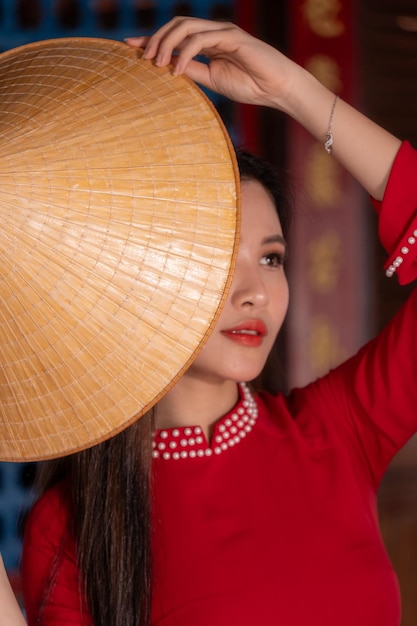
[{"x": 365, "y": 51}]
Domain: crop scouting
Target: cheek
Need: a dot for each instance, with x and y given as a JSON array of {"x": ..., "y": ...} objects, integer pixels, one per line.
[
  {"x": 279, "y": 295},
  {"x": 280, "y": 303},
  {"x": 286, "y": 295}
]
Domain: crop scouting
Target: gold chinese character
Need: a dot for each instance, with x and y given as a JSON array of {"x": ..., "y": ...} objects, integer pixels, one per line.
[
  {"x": 324, "y": 258},
  {"x": 325, "y": 348},
  {"x": 323, "y": 17},
  {"x": 322, "y": 178},
  {"x": 326, "y": 70}
]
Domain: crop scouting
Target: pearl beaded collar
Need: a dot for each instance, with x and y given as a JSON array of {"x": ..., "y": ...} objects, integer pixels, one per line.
[{"x": 190, "y": 443}]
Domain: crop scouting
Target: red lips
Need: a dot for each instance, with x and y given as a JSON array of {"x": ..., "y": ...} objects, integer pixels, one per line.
[{"x": 249, "y": 333}]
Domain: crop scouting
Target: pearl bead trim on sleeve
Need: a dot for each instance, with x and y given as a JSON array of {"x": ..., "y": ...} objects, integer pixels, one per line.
[
  {"x": 190, "y": 443},
  {"x": 390, "y": 271}
]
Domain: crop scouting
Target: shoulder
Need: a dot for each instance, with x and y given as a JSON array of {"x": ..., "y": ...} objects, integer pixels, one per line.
[
  {"x": 48, "y": 547},
  {"x": 50, "y": 511},
  {"x": 300, "y": 412},
  {"x": 47, "y": 528}
]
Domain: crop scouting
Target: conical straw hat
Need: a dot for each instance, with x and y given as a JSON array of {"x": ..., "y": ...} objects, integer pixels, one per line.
[{"x": 119, "y": 210}]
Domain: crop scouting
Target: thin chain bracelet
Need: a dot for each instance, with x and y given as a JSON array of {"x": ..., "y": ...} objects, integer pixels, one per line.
[{"x": 328, "y": 143}]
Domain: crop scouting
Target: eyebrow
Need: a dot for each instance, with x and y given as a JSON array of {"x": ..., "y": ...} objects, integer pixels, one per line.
[{"x": 275, "y": 239}]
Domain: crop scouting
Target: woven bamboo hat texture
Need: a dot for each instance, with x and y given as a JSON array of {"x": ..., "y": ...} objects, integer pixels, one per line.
[{"x": 119, "y": 217}]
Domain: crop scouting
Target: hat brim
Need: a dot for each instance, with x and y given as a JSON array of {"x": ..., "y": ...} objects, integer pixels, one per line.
[{"x": 120, "y": 209}]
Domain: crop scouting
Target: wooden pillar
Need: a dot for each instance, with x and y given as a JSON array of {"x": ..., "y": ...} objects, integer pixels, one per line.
[{"x": 329, "y": 266}]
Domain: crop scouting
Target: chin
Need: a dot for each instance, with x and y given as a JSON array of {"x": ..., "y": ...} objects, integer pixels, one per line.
[
  {"x": 240, "y": 369},
  {"x": 246, "y": 374},
  {"x": 237, "y": 375}
]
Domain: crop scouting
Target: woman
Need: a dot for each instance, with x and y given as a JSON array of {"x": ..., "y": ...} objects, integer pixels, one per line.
[{"x": 262, "y": 508}]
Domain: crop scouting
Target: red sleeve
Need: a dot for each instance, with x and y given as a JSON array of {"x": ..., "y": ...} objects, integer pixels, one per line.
[
  {"x": 398, "y": 216},
  {"x": 50, "y": 577},
  {"x": 375, "y": 392},
  {"x": 371, "y": 399}
]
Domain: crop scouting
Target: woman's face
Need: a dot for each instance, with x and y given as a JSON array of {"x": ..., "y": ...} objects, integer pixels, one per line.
[{"x": 258, "y": 298}]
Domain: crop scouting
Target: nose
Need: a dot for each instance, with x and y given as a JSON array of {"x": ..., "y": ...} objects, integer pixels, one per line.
[{"x": 248, "y": 290}]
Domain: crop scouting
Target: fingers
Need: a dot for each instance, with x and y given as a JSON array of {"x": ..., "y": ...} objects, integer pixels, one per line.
[
  {"x": 137, "y": 42},
  {"x": 212, "y": 44},
  {"x": 240, "y": 66},
  {"x": 173, "y": 35},
  {"x": 198, "y": 72},
  {"x": 184, "y": 37}
]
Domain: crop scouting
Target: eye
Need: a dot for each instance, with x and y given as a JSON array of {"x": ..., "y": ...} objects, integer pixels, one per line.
[{"x": 273, "y": 259}]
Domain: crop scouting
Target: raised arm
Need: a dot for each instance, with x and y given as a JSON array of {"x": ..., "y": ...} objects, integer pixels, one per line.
[
  {"x": 245, "y": 69},
  {"x": 10, "y": 613}
]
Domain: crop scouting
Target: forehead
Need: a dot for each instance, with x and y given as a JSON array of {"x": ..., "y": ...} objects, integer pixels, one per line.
[{"x": 258, "y": 209}]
